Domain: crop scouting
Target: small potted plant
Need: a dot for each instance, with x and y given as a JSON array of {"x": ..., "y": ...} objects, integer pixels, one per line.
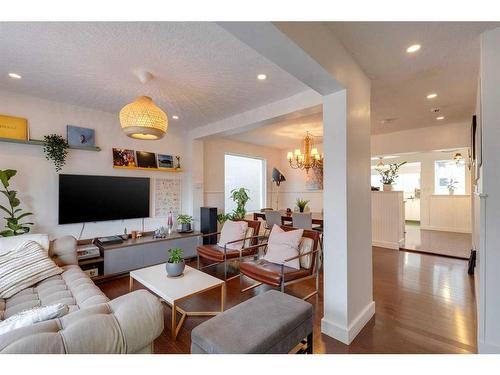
[
  {"x": 301, "y": 204},
  {"x": 185, "y": 222},
  {"x": 175, "y": 265},
  {"x": 452, "y": 185},
  {"x": 389, "y": 175}
]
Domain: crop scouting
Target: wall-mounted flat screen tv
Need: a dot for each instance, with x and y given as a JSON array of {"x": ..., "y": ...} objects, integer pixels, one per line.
[{"x": 84, "y": 199}]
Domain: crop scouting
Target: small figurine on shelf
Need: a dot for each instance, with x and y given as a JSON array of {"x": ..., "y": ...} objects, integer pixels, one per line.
[
  {"x": 170, "y": 222},
  {"x": 178, "y": 158}
]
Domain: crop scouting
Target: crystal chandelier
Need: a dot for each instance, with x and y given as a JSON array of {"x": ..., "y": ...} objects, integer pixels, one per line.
[{"x": 307, "y": 158}]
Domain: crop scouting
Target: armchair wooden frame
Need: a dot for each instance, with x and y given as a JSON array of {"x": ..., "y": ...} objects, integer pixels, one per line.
[{"x": 316, "y": 253}]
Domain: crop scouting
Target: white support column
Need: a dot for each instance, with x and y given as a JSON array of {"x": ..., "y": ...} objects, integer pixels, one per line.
[{"x": 348, "y": 297}]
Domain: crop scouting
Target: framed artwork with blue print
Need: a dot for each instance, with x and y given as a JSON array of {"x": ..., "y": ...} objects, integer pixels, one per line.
[{"x": 83, "y": 137}]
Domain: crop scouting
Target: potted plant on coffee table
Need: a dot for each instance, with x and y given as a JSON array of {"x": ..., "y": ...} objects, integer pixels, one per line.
[
  {"x": 185, "y": 222},
  {"x": 175, "y": 264}
]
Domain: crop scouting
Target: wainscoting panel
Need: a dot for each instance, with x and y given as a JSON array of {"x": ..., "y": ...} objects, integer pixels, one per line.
[
  {"x": 388, "y": 219},
  {"x": 450, "y": 213}
]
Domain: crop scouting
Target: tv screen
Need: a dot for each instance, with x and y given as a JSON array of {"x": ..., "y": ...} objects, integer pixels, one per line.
[{"x": 85, "y": 199}]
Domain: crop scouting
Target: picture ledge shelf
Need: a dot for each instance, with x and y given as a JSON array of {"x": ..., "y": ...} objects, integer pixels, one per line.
[
  {"x": 150, "y": 169},
  {"x": 36, "y": 142}
]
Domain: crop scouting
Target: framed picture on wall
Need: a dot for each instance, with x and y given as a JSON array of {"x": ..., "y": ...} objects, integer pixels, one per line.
[
  {"x": 124, "y": 158},
  {"x": 13, "y": 127},
  {"x": 78, "y": 136},
  {"x": 314, "y": 179},
  {"x": 146, "y": 159},
  {"x": 165, "y": 161}
]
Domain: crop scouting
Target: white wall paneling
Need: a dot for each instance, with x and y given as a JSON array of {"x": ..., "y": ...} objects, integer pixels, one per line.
[{"x": 388, "y": 219}]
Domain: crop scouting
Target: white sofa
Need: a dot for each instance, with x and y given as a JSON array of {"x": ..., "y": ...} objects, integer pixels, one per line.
[{"x": 94, "y": 324}]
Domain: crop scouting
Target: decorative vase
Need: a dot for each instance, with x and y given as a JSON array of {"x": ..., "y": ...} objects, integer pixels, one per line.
[
  {"x": 186, "y": 227},
  {"x": 451, "y": 191},
  {"x": 301, "y": 209},
  {"x": 388, "y": 187},
  {"x": 175, "y": 269}
]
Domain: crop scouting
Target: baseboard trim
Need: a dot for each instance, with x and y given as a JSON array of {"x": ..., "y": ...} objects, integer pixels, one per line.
[
  {"x": 347, "y": 335},
  {"x": 386, "y": 244},
  {"x": 487, "y": 348}
]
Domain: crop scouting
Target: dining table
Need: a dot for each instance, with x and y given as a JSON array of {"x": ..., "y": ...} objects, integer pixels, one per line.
[{"x": 317, "y": 217}]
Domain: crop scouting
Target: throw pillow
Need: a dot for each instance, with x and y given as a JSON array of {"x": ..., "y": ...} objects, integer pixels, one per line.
[
  {"x": 32, "y": 316},
  {"x": 282, "y": 245},
  {"x": 232, "y": 231},
  {"x": 23, "y": 267}
]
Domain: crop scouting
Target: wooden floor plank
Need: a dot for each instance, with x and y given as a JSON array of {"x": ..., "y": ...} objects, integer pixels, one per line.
[{"x": 424, "y": 304}]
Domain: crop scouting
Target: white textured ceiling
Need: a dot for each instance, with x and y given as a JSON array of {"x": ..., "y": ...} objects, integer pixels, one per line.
[
  {"x": 286, "y": 134},
  {"x": 447, "y": 64},
  {"x": 202, "y": 73}
]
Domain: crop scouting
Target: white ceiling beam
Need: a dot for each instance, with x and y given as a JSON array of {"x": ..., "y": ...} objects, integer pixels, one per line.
[{"x": 270, "y": 42}]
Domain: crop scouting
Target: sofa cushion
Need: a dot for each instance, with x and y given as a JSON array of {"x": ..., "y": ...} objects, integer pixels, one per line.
[
  {"x": 9, "y": 243},
  {"x": 73, "y": 288},
  {"x": 23, "y": 267}
]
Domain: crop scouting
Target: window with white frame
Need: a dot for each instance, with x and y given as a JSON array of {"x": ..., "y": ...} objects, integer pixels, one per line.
[
  {"x": 449, "y": 176},
  {"x": 249, "y": 173}
]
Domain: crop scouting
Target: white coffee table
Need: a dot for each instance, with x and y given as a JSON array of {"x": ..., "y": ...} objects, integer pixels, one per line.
[{"x": 174, "y": 290}]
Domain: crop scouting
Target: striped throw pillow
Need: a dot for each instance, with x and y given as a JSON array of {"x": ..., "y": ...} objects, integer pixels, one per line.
[{"x": 23, "y": 267}]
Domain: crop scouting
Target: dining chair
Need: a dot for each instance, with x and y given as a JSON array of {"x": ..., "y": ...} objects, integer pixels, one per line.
[
  {"x": 302, "y": 220},
  {"x": 272, "y": 218}
]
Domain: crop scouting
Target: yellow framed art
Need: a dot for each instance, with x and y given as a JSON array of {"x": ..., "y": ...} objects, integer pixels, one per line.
[{"x": 13, "y": 127}]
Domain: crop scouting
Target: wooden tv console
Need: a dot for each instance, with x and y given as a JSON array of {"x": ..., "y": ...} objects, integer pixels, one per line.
[{"x": 137, "y": 253}]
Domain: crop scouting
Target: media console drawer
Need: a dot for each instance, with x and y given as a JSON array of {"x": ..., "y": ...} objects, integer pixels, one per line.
[{"x": 127, "y": 256}]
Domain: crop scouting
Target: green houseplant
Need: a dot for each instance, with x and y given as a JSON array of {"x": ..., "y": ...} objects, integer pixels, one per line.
[
  {"x": 15, "y": 214},
  {"x": 56, "y": 149},
  {"x": 240, "y": 197},
  {"x": 301, "y": 204},
  {"x": 389, "y": 175},
  {"x": 175, "y": 264},
  {"x": 185, "y": 222}
]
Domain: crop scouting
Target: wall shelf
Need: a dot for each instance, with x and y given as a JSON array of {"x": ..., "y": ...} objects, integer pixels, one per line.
[
  {"x": 150, "y": 169},
  {"x": 36, "y": 142}
]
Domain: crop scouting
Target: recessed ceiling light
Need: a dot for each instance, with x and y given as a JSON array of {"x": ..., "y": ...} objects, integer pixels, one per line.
[
  {"x": 15, "y": 76},
  {"x": 413, "y": 48},
  {"x": 432, "y": 96},
  {"x": 261, "y": 77},
  {"x": 175, "y": 117},
  {"x": 440, "y": 118}
]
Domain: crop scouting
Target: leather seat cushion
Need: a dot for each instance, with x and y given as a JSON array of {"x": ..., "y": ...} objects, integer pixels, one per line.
[
  {"x": 215, "y": 253},
  {"x": 269, "y": 273}
]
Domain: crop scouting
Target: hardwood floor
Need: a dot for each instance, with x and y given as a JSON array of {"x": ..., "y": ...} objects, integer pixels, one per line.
[{"x": 424, "y": 304}]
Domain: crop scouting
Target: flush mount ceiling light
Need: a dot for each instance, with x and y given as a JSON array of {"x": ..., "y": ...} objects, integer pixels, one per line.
[
  {"x": 175, "y": 117},
  {"x": 143, "y": 119},
  {"x": 440, "y": 118},
  {"x": 15, "y": 76},
  {"x": 261, "y": 77},
  {"x": 432, "y": 96},
  {"x": 413, "y": 48}
]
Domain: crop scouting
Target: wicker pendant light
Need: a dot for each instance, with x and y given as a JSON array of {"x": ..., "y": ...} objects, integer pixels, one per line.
[{"x": 142, "y": 119}]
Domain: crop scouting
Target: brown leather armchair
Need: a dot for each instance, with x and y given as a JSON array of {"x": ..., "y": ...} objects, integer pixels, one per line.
[
  {"x": 279, "y": 275},
  {"x": 221, "y": 254}
]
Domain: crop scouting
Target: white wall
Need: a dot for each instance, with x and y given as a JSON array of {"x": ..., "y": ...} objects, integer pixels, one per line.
[
  {"x": 422, "y": 139},
  {"x": 37, "y": 181},
  {"x": 488, "y": 207},
  {"x": 214, "y": 150}
]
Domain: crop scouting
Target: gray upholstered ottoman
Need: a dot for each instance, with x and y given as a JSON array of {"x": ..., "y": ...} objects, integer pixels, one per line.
[{"x": 272, "y": 322}]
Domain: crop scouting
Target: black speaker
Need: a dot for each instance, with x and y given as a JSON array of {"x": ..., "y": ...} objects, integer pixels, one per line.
[{"x": 208, "y": 224}]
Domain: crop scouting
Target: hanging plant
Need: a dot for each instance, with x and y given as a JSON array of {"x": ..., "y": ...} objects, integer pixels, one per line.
[{"x": 56, "y": 149}]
